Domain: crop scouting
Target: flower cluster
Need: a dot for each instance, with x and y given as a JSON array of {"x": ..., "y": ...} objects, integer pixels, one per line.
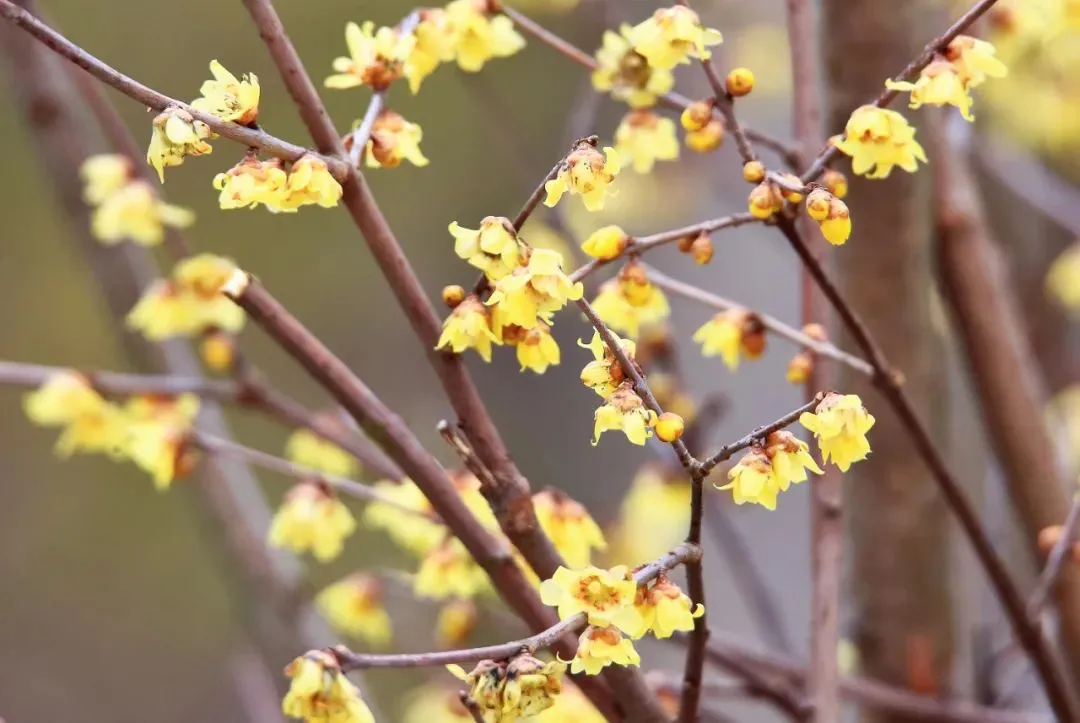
[
  {"x": 189, "y": 302},
  {"x": 253, "y": 182},
  {"x": 313, "y": 519},
  {"x": 840, "y": 422},
  {"x": 585, "y": 172},
  {"x": 623, "y": 410},
  {"x": 319, "y": 692},
  {"x": 731, "y": 334},
  {"x": 643, "y": 138},
  {"x": 672, "y": 36},
  {"x": 704, "y": 130},
  {"x": 617, "y": 609},
  {"x": 127, "y": 208},
  {"x": 153, "y": 432},
  {"x": 949, "y": 79},
  {"x": 519, "y": 688},
  {"x": 627, "y": 74},
  {"x": 630, "y": 301},
  {"x": 831, "y": 214}
]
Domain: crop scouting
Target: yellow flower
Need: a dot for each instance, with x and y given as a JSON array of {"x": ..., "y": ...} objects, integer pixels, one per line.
[
  {"x": 629, "y": 301},
  {"x": 625, "y": 412},
  {"x": 1063, "y": 279},
  {"x": 469, "y": 327},
  {"x": 730, "y": 333},
  {"x": 536, "y": 347},
  {"x": 103, "y": 175},
  {"x": 570, "y": 705},
  {"x": 531, "y": 686},
  {"x": 434, "y": 45},
  {"x": 604, "y": 374},
  {"x": 252, "y": 182},
  {"x": 457, "y": 619},
  {"x": 606, "y": 243},
  {"x": 542, "y": 236},
  {"x": 309, "y": 182},
  {"x": 393, "y": 140},
  {"x": 307, "y": 449},
  {"x": 90, "y": 424},
  {"x": 587, "y": 173},
  {"x": 229, "y": 98},
  {"x": 626, "y": 74},
  {"x": 708, "y": 139},
  {"x": 176, "y": 135},
  {"x": 477, "y": 38},
  {"x": 599, "y": 647},
  {"x": 320, "y": 692},
  {"x": 435, "y": 703},
  {"x": 605, "y": 596},
  {"x": 485, "y": 686},
  {"x": 664, "y": 609},
  {"x": 416, "y": 531},
  {"x": 652, "y": 517},
  {"x": 135, "y": 213},
  {"x": 158, "y": 436},
  {"x": 572, "y": 530},
  {"x": 449, "y": 571},
  {"x": 354, "y": 606},
  {"x": 643, "y": 138},
  {"x": 533, "y": 292},
  {"x": 938, "y": 84},
  {"x": 765, "y": 200},
  {"x": 831, "y": 214},
  {"x": 790, "y": 458},
  {"x": 494, "y": 248},
  {"x": 468, "y": 486},
  {"x": 840, "y": 423},
  {"x": 376, "y": 57},
  {"x": 753, "y": 480},
  {"x": 672, "y": 36},
  {"x": 975, "y": 60},
  {"x": 189, "y": 303},
  {"x": 311, "y": 517},
  {"x": 878, "y": 139}
]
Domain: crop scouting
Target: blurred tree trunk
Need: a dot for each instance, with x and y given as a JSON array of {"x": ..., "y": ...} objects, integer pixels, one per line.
[{"x": 896, "y": 518}]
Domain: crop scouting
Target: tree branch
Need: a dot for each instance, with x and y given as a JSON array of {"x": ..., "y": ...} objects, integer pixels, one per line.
[{"x": 1055, "y": 562}]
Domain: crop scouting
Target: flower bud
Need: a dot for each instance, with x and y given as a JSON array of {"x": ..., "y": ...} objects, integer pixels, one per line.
[
  {"x": 702, "y": 249},
  {"x": 697, "y": 115},
  {"x": 791, "y": 180},
  {"x": 753, "y": 172},
  {"x": 453, "y": 295},
  {"x": 800, "y": 368},
  {"x": 836, "y": 182},
  {"x": 816, "y": 332},
  {"x": 817, "y": 204},
  {"x": 753, "y": 338},
  {"x": 606, "y": 243},
  {"x": 218, "y": 351},
  {"x": 708, "y": 138},
  {"x": 686, "y": 243},
  {"x": 739, "y": 82},
  {"x": 764, "y": 200},
  {"x": 669, "y": 427}
]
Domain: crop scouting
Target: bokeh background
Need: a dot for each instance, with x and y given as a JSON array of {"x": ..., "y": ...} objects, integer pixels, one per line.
[{"x": 115, "y": 606}]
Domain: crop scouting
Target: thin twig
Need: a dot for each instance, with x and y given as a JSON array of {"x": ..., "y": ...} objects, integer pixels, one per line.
[
  {"x": 1055, "y": 562},
  {"x": 534, "y": 199},
  {"x": 472, "y": 706},
  {"x": 728, "y": 450},
  {"x": 821, "y": 348},
  {"x": 360, "y": 137},
  {"x": 150, "y": 97},
  {"x": 681, "y": 555}
]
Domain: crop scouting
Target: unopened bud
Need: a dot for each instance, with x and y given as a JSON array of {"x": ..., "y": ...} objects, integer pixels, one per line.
[
  {"x": 218, "y": 351},
  {"x": 686, "y": 243},
  {"x": 708, "y": 138},
  {"x": 753, "y": 337},
  {"x": 764, "y": 200},
  {"x": 702, "y": 249},
  {"x": 753, "y": 172},
  {"x": 791, "y": 180},
  {"x": 818, "y": 203},
  {"x": 453, "y": 295},
  {"x": 669, "y": 427},
  {"x": 836, "y": 182},
  {"x": 697, "y": 115},
  {"x": 800, "y": 368},
  {"x": 739, "y": 82}
]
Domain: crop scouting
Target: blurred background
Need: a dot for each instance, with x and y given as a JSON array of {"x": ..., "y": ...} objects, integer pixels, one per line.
[{"x": 116, "y": 606}]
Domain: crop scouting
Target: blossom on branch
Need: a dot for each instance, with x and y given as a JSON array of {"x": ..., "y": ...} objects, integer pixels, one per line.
[
  {"x": 228, "y": 97},
  {"x": 175, "y": 136},
  {"x": 354, "y": 606},
  {"x": 585, "y": 172},
  {"x": 308, "y": 449},
  {"x": 469, "y": 327},
  {"x": 572, "y": 530},
  {"x": 672, "y": 36},
  {"x": 376, "y": 57},
  {"x": 831, "y": 214},
  {"x": 643, "y": 138},
  {"x": 599, "y": 647},
  {"x": 312, "y": 518},
  {"x": 840, "y": 423},
  {"x": 604, "y": 374},
  {"x": 630, "y": 301},
  {"x": 127, "y": 208},
  {"x": 252, "y": 182},
  {"x": 158, "y": 433},
  {"x": 626, "y": 74},
  {"x": 877, "y": 139},
  {"x": 449, "y": 571},
  {"x": 477, "y": 36},
  {"x": 730, "y": 334},
  {"x": 605, "y": 596},
  {"x": 189, "y": 302},
  {"x": 89, "y": 423},
  {"x": 536, "y": 347},
  {"x": 533, "y": 292},
  {"x": 624, "y": 411},
  {"x": 320, "y": 693},
  {"x": 752, "y": 480},
  {"x": 494, "y": 248},
  {"x": 664, "y": 610},
  {"x": 790, "y": 458},
  {"x": 393, "y": 140}
]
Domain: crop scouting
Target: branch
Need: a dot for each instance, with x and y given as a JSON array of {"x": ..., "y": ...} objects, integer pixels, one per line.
[
  {"x": 728, "y": 450},
  {"x": 683, "y": 554},
  {"x": 821, "y": 348},
  {"x": 1055, "y": 563}
]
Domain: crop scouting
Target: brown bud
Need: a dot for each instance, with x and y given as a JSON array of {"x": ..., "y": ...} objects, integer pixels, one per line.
[
  {"x": 753, "y": 338},
  {"x": 453, "y": 295},
  {"x": 697, "y": 115},
  {"x": 702, "y": 249},
  {"x": 800, "y": 368},
  {"x": 686, "y": 243}
]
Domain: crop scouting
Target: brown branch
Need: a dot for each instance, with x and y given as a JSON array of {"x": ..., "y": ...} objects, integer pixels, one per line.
[
  {"x": 909, "y": 73},
  {"x": 472, "y": 706},
  {"x": 728, "y": 450},
  {"x": 148, "y": 96},
  {"x": 695, "y": 293},
  {"x": 681, "y": 555},
  {"x": 1055, "y": 562},
  {"x": 888, "y": 383}
]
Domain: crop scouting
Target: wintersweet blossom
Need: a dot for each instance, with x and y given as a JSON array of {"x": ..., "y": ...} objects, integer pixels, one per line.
[
  {"x": 752, "y": 480},
  {"x": 478, "y": 36},
  {"x": 572, "y": 530},
  {"x": 765, "y": 200},
  {"x": 354, "y": 606},
  {"x": 308, "y": 449},
  {"x": 975, "y": 60},
  {"x": 468, "y": 326},
  {"x": 494, "y": 248},
  {"x": 533, "y": 292},
  {"x": 790, "y": 458},
  {"x": 320, "y": 693},
  {"x": 731, "y": 333},
  {"x": 606, "y": 243},
  {"x": 625, "y": 412},
  {"x": 840, "y": 423},
  {"x": 485, "y": 686},
  {"x": 434, "y": 45},
  {"x": 176, "y": 135},
  {"x": 585, "y": 172},
  {"x": 393, "y": 140},
  {"x": 664, "y": 609},
  {"x": 643, "y": 138},
  {"x": 158, "y": 435},
  {"x": 188, "y": 303},
  {"x": 708, "y": 139},
  {"x": 252, "y": 182},
  {"x": 228, "y": 97},
  {"x": 652, "y": 517},
  {"x": 449, "y": 571},
  {"x": 570, "y": 705},
  {"x": 831, "y": 214},
  {"x": 376, "y": 57},
  {"x": 409, "y": 521},
  {"x": 605, "y": 596},
  {"x": 104, "y": 174},
  {"x": 312, "y": 518},
  {"x": 673, "y": 35},
  {"x": 456, "y": 622},
  {"x": 938, "y": 84},
  {"x": 877, "y": 139},
  {"x": 536, "y": 347},
  {"x": 626, "y": 74},
  {"x": 531, "y": 686},
  {"x": 599, "y": 647},
  {"x": 435, "y": 702},
  {"x": 604, "y": 373},
  {"x": 630, "y": 301},
  {"x": 309, "y": 183},
  {"x": 127, "y": 208},
  {"x": 89, "y": 423}
]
